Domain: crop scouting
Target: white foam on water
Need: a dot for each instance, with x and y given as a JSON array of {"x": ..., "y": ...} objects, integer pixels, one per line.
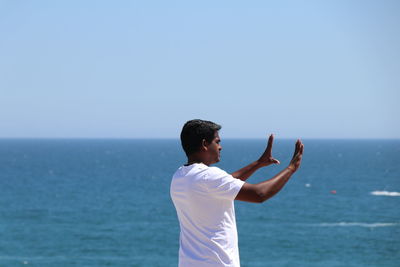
[
  {"x": 358, "y": 224},
  {"x": 385, "y": 193}
]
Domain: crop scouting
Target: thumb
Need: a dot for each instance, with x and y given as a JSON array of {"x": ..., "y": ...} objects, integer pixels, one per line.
[{"x": 275, "y": 161}]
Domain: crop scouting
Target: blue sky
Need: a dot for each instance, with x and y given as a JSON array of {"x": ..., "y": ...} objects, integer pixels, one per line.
[{"x": 140, "y": 69}]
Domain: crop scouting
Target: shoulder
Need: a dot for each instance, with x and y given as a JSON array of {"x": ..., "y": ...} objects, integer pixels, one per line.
[
  {"x": 192, "y": 174},
  {"x": 215, "y": 171},
  {"x": 222, "y": 184},
  {"x": 216, "y": 175}
]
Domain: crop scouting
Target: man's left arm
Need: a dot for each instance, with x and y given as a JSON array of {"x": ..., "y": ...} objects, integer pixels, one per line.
[{"x": 266, "y": 159}]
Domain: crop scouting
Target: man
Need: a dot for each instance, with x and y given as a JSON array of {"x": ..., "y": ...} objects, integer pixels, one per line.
[{"x": 203, "y": 196}]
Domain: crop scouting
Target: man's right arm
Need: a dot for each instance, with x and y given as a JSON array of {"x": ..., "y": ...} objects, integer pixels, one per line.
[{"x": 260, "y": 192}]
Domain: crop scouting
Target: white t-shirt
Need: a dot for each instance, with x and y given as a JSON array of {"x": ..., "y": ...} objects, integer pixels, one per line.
[{"x": 203, "y": 197}]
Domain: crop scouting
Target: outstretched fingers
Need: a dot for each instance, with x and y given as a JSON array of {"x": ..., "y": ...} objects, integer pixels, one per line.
[
  {"x": 300, "y": 148},
  {"x": 270, "y": 142},
  {"x": 298, "y": 154},
  {"x": 296, "y": 148}
]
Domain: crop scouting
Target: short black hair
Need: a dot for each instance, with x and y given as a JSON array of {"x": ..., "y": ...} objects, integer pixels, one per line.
[{"x": 193, "y": 133}]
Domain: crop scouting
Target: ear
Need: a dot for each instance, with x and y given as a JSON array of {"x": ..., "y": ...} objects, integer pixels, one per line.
[{"x": 204, "y": 144}]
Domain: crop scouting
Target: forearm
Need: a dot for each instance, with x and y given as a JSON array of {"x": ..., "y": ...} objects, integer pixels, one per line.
[
  {"x": 245, "y": 172},
  {"x": 269, "y": 188}
]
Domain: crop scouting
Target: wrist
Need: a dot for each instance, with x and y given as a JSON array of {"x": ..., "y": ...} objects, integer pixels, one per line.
[
  {"x": 260, "y": 164},
  {"x": 291, "y": 169}
]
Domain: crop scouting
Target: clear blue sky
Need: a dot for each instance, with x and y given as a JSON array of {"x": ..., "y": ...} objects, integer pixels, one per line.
[{"x": 134, "y": 69}]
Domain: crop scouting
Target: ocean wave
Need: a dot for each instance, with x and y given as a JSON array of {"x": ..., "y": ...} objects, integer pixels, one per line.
[
  {"x": 385, "y": 193},
  {"x": 359, "y": 224}
]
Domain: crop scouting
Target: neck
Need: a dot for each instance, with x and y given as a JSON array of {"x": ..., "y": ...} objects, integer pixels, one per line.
[{"x": 196, "y": 159}]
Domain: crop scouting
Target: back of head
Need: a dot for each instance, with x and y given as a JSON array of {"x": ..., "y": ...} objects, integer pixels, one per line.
[{"x": 194, "y": 132}]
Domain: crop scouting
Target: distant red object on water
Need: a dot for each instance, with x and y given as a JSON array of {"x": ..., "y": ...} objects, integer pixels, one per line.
[{"x": 333, "y": 191}]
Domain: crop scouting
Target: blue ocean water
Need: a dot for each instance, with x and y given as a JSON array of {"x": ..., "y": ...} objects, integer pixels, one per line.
[{"x": 106, "y": 203}]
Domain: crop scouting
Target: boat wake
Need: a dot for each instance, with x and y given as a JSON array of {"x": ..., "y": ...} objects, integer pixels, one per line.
[
  {"x": 358, "y": 224},
  {"x": 385, "y": 193}
]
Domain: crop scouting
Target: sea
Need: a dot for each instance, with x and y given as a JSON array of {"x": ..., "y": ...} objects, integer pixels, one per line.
[{"x": 106, "y": 202}]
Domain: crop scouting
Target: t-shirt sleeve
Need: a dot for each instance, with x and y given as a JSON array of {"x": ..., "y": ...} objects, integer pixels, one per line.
[{"x": 221, "y": 184}]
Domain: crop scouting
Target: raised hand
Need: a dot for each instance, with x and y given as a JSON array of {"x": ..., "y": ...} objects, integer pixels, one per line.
[
  {"x": 298, "y": 154},
  {"x": 266, "y": 158}
]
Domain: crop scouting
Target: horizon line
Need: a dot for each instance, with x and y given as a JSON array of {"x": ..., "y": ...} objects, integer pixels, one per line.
[{"x": 177, "y": 138}]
